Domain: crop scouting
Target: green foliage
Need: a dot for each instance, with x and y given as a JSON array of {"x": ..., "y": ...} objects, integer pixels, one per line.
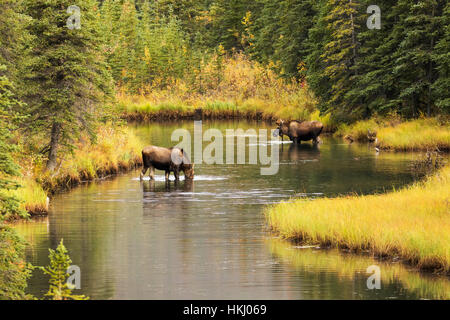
[
  {"x": 57, "y": 270},
  {"x": 273, "y": 31},
  {"x": 65, "y": 74},
  {"x": 145, "y": 46},
  {"x": 9, "y": 204},
  {"x": 441, "y": 58},
  {"x": 14, "y": 272}
]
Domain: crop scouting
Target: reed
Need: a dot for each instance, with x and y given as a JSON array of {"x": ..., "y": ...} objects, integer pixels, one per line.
[{"x": 411, "y": 223}]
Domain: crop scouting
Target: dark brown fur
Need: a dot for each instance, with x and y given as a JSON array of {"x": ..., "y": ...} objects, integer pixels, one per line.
[
  {"x": 299, "y": 131},
  {"x": 161, "y": 159}
]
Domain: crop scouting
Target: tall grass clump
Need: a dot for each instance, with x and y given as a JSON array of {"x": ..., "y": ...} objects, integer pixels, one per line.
[
  {"x": 421, "y": 134},
  {"x": 34, "y": 198},
  {"x": 115, "y": 150},
  {"x": 412, "y": 223},
  {"x": 360, "y": 131},
  {"x": 394, "y": 134}
]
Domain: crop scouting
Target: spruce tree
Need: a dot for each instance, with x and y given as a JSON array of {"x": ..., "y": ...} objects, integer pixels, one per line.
[
  {"x": 415, "y": 70},
  {"x": 14, "y": 272},
  {"x": 227, "y": 27},
  {"x": 374, "y": 87},
  {"x": 341, "y": 52},
  {"x": 290, "y": 48},
  {"x": 57, "y": 270},
  {"x": 67, "y": 78},
  {"x": 9, "y": 204},
  {"x": 441, "y": 58}
]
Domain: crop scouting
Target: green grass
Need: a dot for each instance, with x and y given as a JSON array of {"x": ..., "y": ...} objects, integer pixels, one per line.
[
  {"x": 359, "y": 130},
  {"x": 412, "y": 223}
]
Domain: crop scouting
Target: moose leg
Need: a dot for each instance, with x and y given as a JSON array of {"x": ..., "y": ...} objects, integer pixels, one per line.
[
  {"x": 167, "y": 175},
  {"x": 176, "y": 172},
  {"x": 143, "y": 172},
  {"x": 152, "y": 173}
]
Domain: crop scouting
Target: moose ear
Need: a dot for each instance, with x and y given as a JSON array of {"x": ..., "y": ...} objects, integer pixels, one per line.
[{"x": 182, "y": 151}]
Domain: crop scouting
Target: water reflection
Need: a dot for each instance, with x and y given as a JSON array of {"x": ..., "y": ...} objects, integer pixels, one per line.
[
  {"x": 302, "y": 152},
  {"x": 343, "y": 276},
  {"x": 206, "y": 239},
  {"x": 153, "y": 186}
]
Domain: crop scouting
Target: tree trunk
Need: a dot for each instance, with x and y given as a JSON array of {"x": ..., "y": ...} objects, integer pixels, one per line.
[{"x": 54, "y": 144}]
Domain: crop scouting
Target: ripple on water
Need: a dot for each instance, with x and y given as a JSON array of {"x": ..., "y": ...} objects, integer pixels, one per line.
[{"x": 160, "y": 178}]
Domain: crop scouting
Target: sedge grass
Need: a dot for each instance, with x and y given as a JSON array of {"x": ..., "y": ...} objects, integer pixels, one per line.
[{"x": 412, "y": 223}]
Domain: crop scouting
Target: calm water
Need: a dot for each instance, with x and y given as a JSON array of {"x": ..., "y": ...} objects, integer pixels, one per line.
[{"x": 207, "y": 240}]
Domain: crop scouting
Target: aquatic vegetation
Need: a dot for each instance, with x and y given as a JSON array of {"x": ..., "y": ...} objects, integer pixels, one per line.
[{"x": 411, "y": 223}]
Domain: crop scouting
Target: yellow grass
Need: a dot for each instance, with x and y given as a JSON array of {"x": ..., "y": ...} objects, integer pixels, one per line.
[
  {"x": 116, "y": 149},
  {"x": 412, "y": 223},
  {"x": 242, "y": 89},
  {"x": 415, "y": 135},
  {"x": 422, "y": 134},
  {"x": 33, "y": 196}
]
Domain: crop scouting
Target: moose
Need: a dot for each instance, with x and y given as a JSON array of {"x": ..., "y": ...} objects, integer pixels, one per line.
[
  {"x": 166, "y": 159},
  {"x": 299, "y": 131}
]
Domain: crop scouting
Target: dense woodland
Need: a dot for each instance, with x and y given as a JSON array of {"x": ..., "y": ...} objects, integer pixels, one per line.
[{"x": 58, "y": 83}]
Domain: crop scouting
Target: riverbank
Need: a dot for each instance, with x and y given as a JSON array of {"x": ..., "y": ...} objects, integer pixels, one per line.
[
  {"x": 116, "y": 150},
  {"x": 241, "y": 89},
  {"x": 140, "y": 109},
  {"x": 428, "y": 134},
  {"x": 411, "y": 224}
]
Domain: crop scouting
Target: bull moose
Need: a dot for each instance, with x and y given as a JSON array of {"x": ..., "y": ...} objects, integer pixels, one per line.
[
  {"x": 163, "y": 159},
  {"x": 299, "y": 131}
]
